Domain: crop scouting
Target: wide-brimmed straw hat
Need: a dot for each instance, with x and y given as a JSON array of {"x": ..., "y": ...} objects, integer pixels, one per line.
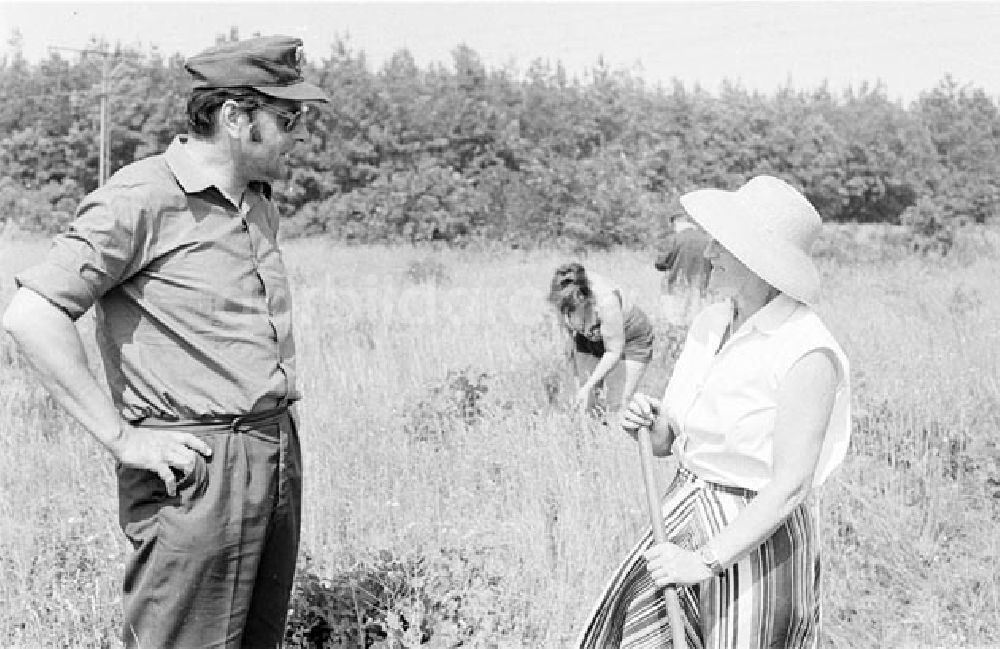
[{"x": 769, "y": 226}]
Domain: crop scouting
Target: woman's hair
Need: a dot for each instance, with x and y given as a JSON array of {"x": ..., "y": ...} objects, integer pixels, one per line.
[
  {"x": 570, "y": 288},
  {"x": 204, "y": 103}
]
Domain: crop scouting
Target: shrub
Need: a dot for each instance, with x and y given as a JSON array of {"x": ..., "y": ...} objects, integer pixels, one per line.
[
  {"x": 45, "y": 210},
  {"x": 456, "y": 401},
  {"x": 447, "y": 599},
  {"x": 931, "y": 225},
  {"x": 428, "y": 271}
]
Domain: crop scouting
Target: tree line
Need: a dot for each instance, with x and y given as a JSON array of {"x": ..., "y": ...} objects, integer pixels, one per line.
[{"x": 463, "y": 152}]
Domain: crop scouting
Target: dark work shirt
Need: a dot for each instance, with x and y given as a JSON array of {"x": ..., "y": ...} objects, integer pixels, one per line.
[
  {"x": 684, "y": 260},
  {"x": 194, "y": 315}
]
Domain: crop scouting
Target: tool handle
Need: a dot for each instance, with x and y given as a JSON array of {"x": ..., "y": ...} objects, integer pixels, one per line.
[{"x": 660, "y": 534}]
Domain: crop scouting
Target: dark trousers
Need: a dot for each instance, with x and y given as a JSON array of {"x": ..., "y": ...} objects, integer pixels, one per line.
[{"x": 213, "y": 565}]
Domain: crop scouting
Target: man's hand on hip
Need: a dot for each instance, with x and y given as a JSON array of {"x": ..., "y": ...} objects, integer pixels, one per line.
[{"x": 160, "y": 452}]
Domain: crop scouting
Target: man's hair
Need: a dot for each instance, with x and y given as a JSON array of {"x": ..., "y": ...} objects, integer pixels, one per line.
[{"x": 205, "y": 103}]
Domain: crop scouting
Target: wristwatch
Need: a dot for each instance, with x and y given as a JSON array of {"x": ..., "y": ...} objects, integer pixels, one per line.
[{"x": 709, "y": 559}]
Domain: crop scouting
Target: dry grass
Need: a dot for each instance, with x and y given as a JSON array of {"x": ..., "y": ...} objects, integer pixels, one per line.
[{"x": 538, "y": 510}]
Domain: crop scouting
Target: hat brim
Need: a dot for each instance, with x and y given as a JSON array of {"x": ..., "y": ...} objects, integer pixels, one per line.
[
  {"x": 301, "y": 91},
  {"x": 726, "y": 217}
]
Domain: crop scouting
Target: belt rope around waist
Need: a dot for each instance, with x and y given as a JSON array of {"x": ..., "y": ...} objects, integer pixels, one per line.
[
  {"x": 223, "y": 423},
  {"x": 691, "y": 476}
]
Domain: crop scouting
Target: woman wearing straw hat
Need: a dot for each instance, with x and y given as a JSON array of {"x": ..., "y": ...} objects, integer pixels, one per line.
[{"x": 757, "y": 414}]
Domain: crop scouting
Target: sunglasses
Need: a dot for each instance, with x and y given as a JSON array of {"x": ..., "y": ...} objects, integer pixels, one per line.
[{"x": 290, "y": 120}]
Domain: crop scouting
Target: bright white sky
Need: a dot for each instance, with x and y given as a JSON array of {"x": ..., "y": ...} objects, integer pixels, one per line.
[{"x": 909, "y": 46}]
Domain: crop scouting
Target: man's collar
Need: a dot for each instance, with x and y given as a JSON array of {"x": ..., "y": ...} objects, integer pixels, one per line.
[
  {"x": 192, "y": 177},
  {"x": 189, "y": 175}
]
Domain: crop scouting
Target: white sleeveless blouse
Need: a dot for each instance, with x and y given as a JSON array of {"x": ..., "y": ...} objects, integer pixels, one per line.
[{"x": 724, "y": 404}]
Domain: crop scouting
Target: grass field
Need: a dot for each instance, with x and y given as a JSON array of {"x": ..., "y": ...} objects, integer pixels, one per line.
[{"x": 451, "y": 499}]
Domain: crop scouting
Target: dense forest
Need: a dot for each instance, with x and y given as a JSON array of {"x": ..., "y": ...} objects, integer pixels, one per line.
[{"x": 462, "y": 152}]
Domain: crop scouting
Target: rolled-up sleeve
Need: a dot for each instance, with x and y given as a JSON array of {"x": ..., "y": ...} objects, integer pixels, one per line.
[{"x": 98, "y": 251}]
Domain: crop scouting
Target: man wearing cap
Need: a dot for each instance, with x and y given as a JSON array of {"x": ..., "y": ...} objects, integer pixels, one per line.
[
  {"x": 178, "y": 254},
  {"x": 685, "y": 268}
]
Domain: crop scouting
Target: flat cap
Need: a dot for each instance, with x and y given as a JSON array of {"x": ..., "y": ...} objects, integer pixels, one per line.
[{"x": 269, "y": 64}]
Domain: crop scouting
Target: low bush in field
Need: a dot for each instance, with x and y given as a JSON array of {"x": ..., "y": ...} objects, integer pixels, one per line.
[
  {"x": 442, "y": 599},
  {"x": 45, "y": 210},
  {"x": 456, "y": 401}
]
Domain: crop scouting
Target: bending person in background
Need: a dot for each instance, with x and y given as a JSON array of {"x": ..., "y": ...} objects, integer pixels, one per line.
[
  {"x": 757, "y": 413},
  {"x": 604, "y": 328},
  {"x": 685, "y": 269},
  {"x": 178, "y": 254}
]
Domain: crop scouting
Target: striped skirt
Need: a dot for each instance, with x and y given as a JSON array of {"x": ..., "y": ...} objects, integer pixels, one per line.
[{"x": 769, "y": 598}]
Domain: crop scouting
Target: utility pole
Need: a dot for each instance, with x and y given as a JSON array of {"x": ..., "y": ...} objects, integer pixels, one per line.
[{"x": 102, "y": 149}]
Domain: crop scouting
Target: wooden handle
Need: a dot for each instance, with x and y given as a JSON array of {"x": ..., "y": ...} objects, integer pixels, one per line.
[{"x": 660, "y": 534}]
